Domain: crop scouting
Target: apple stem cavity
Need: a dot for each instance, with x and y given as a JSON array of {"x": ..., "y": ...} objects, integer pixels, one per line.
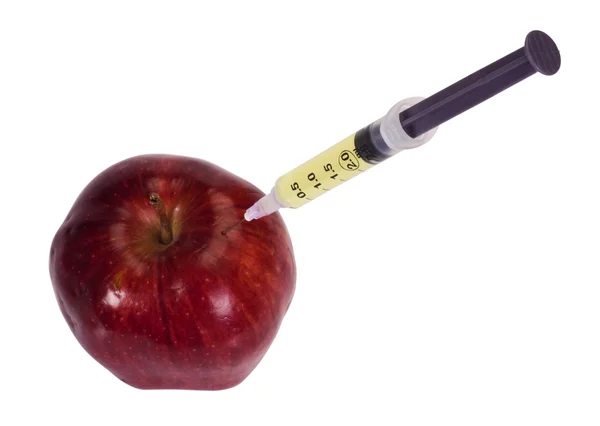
[{"x": 166, "y": 233}]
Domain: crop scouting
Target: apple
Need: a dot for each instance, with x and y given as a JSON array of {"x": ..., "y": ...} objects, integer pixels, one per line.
[{"x": 159, "y": 287}]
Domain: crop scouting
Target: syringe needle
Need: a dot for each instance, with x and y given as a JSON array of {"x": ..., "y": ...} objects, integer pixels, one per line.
[{"x": 226, "y": 230}]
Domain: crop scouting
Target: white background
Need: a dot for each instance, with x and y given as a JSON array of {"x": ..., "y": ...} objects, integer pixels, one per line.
[{"x": 458, "y": 283}]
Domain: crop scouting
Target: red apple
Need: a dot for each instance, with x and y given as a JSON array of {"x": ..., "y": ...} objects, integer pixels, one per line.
[{"x": 154, "y": 290}]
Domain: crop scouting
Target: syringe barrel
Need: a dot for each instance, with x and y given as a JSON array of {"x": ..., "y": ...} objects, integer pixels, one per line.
[{"x": 353, "y": 155}]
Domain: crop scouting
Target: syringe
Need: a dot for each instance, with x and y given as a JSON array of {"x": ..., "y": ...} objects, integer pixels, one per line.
[{"x": 408, "y": 124}]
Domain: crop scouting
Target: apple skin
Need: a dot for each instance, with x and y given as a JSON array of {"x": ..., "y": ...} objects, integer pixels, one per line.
[{"x": 198, "y": 313}]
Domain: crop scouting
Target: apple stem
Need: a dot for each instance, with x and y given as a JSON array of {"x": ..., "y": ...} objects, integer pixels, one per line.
[{"x": 166, "y": 234}]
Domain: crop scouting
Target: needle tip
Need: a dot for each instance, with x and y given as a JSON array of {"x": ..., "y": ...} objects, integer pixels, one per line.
[{"x": 226, "y": 230}]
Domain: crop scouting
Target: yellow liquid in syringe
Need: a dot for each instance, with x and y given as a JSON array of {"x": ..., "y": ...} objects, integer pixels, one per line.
[
  {"x": 340, "y": 163},
  {"x": 320, "y": 174}
]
